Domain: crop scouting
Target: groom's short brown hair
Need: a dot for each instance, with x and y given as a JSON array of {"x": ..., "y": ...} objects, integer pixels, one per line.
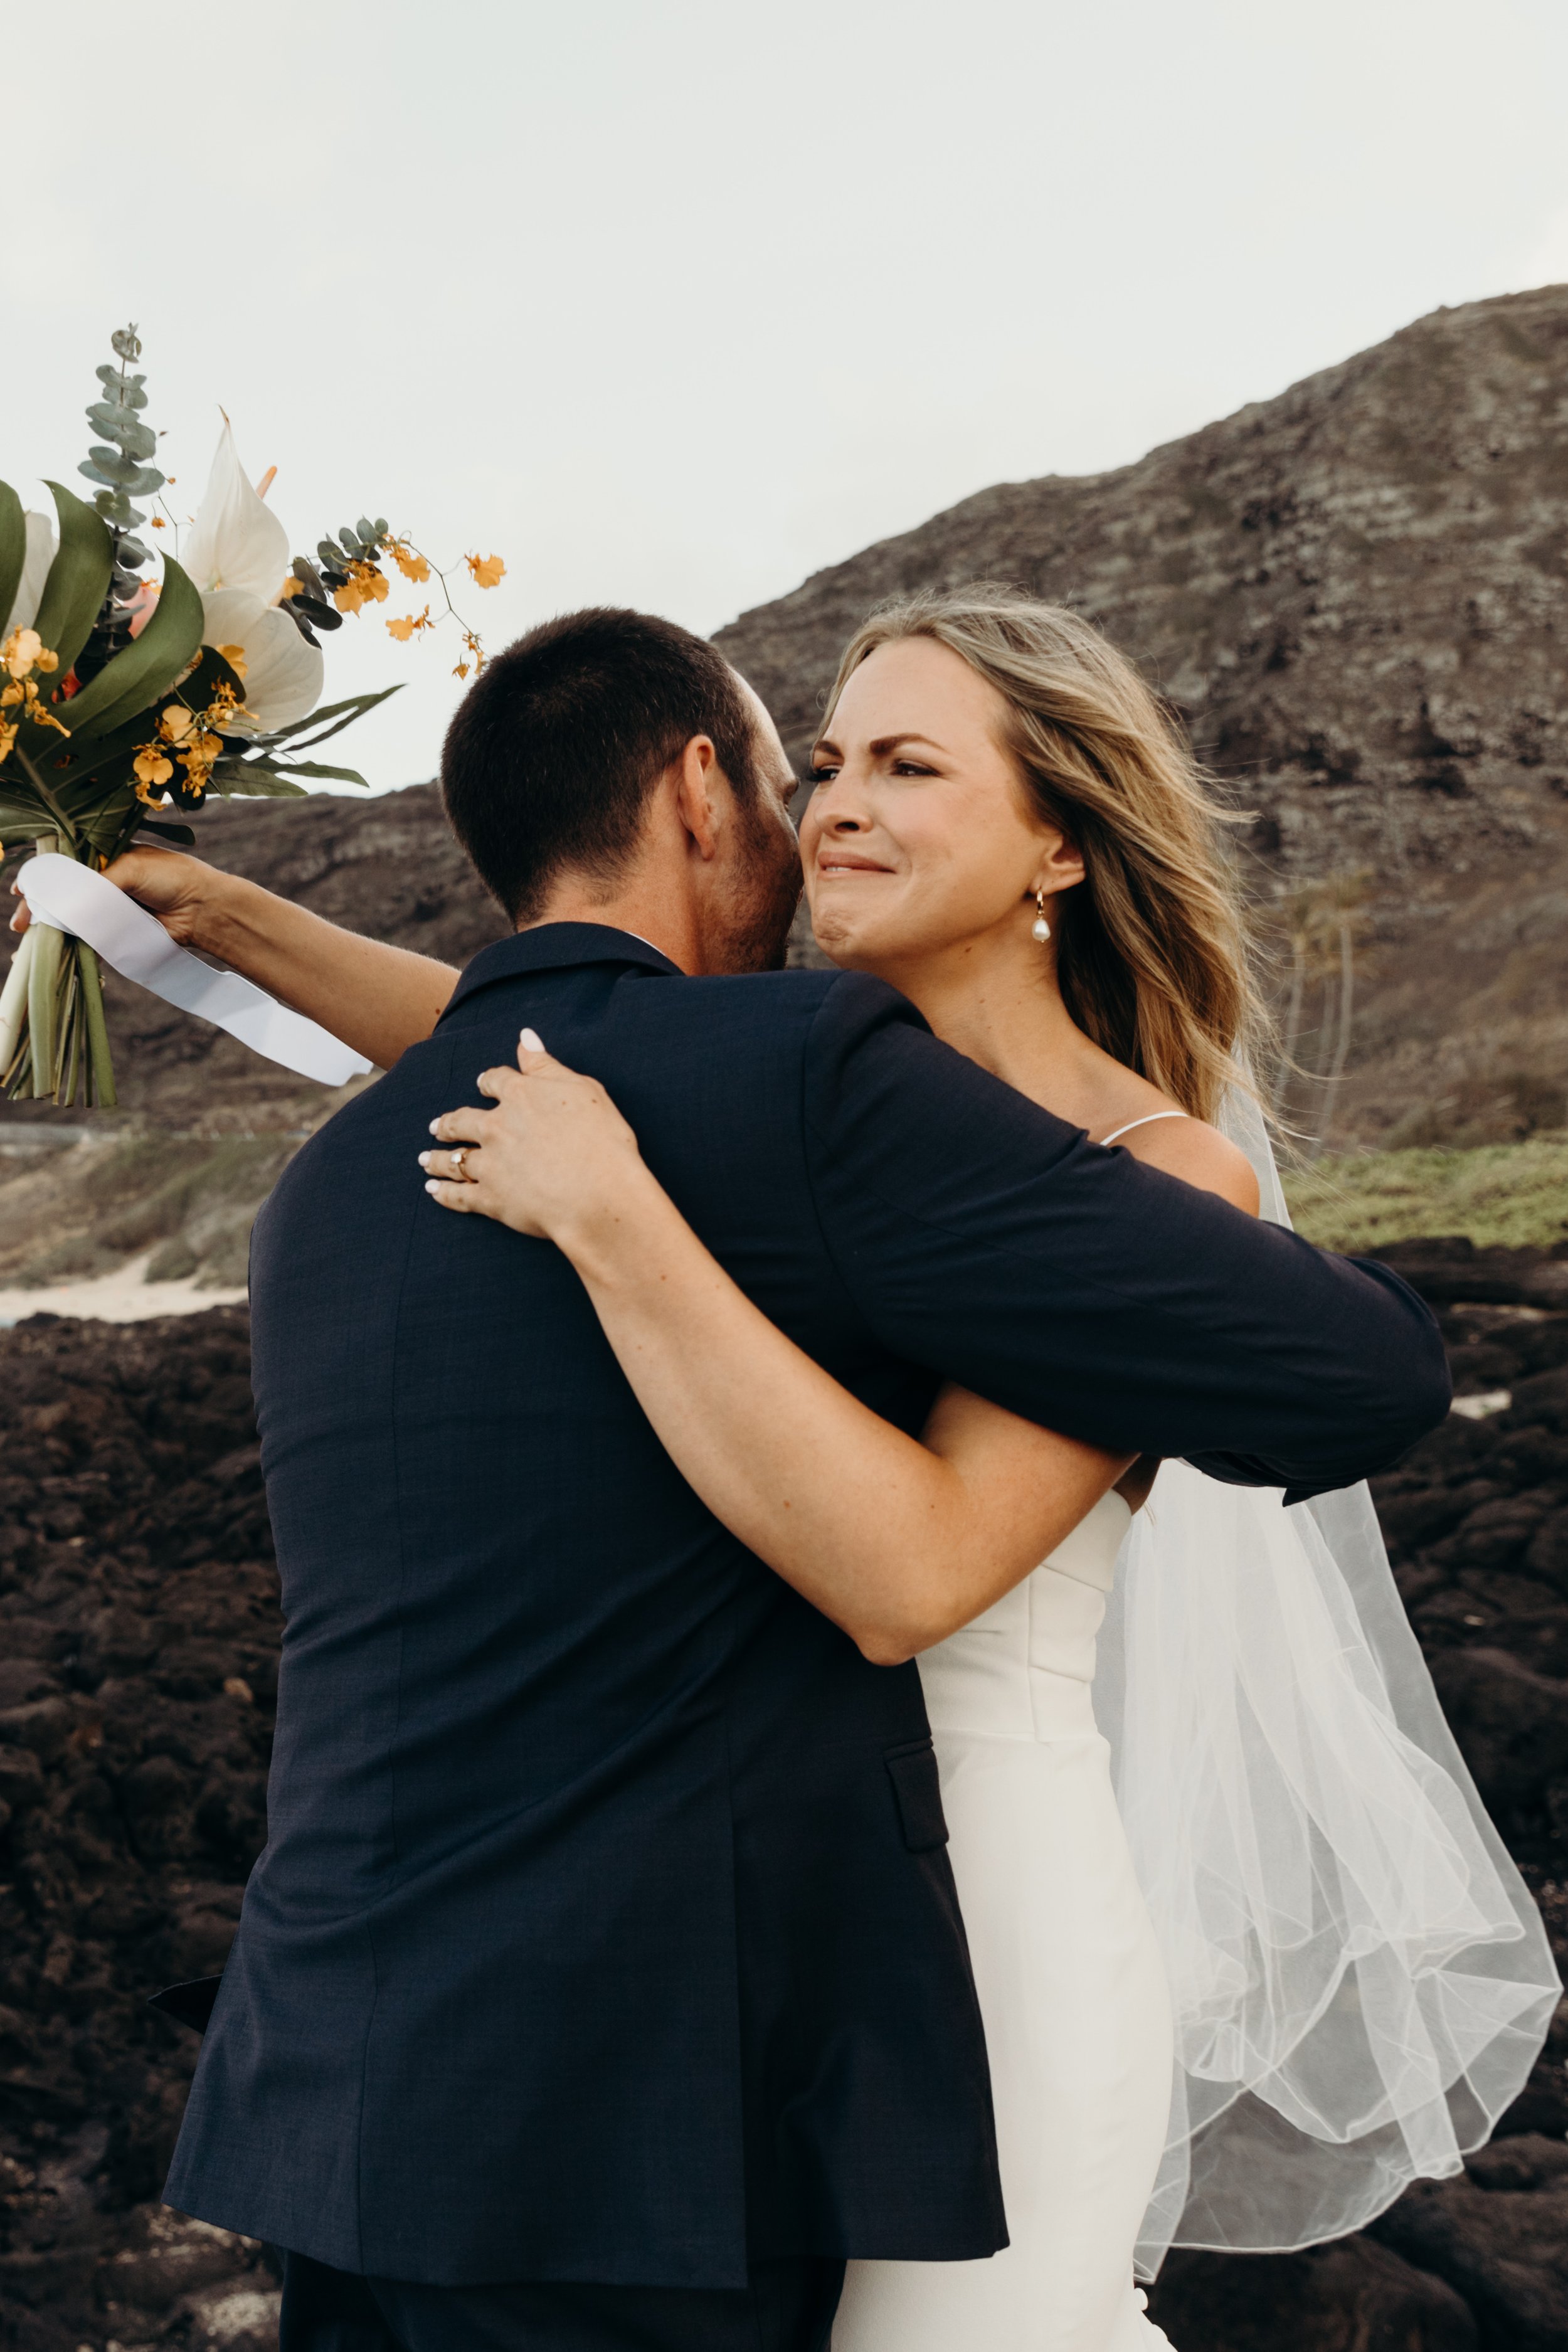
[{"x": 553, "y": 751}]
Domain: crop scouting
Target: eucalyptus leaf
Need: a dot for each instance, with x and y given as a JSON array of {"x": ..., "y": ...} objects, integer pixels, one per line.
[
  {"x": 320, "y": 616},
  {"x": 78, "y": 578},
  {"x": 13, "y": 549},
  {"x": 110, "y": 416},
  {"x": 179, "y": 834},
  {"x": 124, "y": 426}
]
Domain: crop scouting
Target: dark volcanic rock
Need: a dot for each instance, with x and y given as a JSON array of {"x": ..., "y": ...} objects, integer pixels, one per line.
[
  {"x": 137, "y": 1667},
  {"x": 1355, "y": 2297},
  {"x": 1499, "y": 2237},
  {"x": 138, "y": 1660},
  {"x": 1477, "y": 1521}
]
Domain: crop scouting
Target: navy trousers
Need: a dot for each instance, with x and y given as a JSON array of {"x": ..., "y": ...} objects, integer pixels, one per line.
[{"x": 787, "y": 2306}]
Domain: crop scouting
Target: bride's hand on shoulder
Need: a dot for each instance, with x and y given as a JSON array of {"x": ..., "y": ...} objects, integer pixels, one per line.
[{"x": 555, "y": 1158}]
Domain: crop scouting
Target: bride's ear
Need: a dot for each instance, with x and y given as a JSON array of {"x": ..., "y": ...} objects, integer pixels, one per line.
[{"x": 1061, "y": 865}]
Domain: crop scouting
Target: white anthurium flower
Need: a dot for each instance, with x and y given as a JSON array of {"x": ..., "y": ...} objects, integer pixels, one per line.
[
  {"x": 236, "y": 542},
  {"x": 283, "y": 675},
  {"x": 34, "y": 572}
]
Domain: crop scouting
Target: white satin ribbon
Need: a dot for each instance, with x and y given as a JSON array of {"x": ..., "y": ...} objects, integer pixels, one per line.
[{"x": 76, "y": 899}]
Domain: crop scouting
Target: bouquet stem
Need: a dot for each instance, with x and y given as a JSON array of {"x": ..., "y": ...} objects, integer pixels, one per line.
[
  {"x": 13, "y": 1004},
  {"x": 54, "y": 1039},
  {"x": 43, "y": 986},
  {"x": 100, "y": 1065}
]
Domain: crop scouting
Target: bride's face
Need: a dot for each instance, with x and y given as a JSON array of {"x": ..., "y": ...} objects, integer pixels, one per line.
[{"x": 918, "y": 839}]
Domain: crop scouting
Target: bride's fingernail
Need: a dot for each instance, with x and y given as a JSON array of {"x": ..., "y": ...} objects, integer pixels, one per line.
[
  {"x": 432, "y": 1186},
  {"x": 435, "y": 1127},
  {"x": 532, "y": 1042},
  {"x": 425, "y": 1158}
]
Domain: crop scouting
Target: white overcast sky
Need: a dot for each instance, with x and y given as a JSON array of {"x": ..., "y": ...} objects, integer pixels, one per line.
[{"x": 672, "y": 303}]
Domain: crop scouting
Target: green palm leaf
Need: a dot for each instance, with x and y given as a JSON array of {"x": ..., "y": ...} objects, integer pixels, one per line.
[
  {"x": 78, "y": 580},
  {"x": 13, "y": 549},
  {"x": 149, "y": 665}
]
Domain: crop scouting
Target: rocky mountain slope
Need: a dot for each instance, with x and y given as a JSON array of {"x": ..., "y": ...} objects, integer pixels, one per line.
[
  {"x": 138, "y": 1673},
  {"x": 1356, "y": 596}
]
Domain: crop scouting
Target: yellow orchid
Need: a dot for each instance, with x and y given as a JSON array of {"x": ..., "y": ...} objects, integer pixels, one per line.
[
  {"x": 153, "y": 769},
  {"x": 409, "y": 626},
  {"x": 408, "y": 560},
  {"x": 20, "y": 651}
]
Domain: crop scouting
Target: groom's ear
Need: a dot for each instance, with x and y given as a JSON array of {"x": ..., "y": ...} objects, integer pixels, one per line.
[{"x": 700, "y": 789}]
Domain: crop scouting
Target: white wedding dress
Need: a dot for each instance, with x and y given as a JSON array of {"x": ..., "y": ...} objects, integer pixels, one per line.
[
  {"x": 1072, "y": 1989},
  {"x": 1247, "y": 1966}
]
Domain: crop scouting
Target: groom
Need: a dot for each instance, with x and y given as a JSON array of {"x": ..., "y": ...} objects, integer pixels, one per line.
[{"x": 602, "y": 1984}]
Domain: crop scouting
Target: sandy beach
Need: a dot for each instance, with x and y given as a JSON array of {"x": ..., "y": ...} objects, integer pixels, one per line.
[{"x": 123, "y": 1297}]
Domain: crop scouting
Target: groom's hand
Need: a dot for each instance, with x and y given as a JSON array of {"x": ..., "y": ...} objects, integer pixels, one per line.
[{"x": 553, "y": 1160}]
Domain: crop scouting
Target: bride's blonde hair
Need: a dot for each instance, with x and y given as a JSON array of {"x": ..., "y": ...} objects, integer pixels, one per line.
[{"x": 1152, "y": 955}]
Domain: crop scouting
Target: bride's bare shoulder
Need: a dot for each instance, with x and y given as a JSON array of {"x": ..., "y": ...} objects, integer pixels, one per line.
[{"x": 1200, "y": 1155}]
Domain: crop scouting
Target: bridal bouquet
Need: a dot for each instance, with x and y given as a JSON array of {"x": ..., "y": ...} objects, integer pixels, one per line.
[{"x": 125, "y": 700}]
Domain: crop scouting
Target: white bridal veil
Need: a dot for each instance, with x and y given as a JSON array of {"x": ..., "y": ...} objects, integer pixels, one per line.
[{"x": 1360, "y": 1979}]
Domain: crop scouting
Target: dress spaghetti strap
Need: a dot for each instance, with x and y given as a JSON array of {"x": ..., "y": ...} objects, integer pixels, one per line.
[{"x": 1147, "y": 1121}]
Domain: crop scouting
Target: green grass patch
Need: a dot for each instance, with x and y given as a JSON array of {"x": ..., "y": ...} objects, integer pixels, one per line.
[{"x": 1513, "y": 1193}]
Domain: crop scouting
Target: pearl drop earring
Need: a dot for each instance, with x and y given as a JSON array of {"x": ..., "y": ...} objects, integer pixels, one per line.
[{"x": 1039, "y": 929}]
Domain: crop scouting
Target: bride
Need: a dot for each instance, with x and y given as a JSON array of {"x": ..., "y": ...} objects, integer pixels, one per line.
[{"x": 1296, "y": 1969}]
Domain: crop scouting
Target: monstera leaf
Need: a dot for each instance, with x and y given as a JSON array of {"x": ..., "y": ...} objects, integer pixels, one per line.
[{"x": 149, "y": 666}]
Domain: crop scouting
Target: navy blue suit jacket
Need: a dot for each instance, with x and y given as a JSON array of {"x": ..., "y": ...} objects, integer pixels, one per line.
[{"x": 604, "y": 1930}]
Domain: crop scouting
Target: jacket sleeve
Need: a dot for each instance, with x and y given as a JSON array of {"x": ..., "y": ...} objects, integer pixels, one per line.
[{"x": 993, "y": 1244}]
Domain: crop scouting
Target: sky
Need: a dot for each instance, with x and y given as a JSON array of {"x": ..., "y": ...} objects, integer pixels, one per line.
[{"x": 673, "y": 304}]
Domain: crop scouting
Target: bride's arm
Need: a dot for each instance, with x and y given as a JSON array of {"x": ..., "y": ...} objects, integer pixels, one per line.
[
  {"x": 899, "y": 1540},
  {"x": 378, "y": 999}
]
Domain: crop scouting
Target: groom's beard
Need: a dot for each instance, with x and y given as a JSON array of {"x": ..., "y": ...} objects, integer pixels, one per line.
[{"x": 753, "y": 931}]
